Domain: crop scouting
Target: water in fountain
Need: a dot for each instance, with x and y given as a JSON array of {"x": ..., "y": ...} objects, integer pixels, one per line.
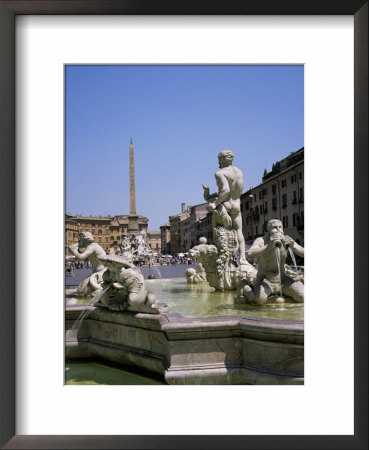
[
  {"x": 278, "y": 256},
  {"x": 71, "y": 334},
  {"x": 293, "y": 258}
]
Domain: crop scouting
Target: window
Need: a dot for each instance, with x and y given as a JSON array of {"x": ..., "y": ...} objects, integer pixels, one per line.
[
  {"x": 300, "y": 175},
  {"x": 99, "y": 231},
  {"x": 266, "y": 207},
  {"x": 106, "y": 239},
  {"x": 295, "y": 219},
  {"x": 285, "y": 221},
  {"x": 301, "y": 197},
  {"x": 294, "y": 200},
  {"x": 284, "y": 183},
  {"x": 261, "y": 209},
  {"x": 99, "y": 239},
  {"x": 247, "y": 205},
  {"x": 260, "y": 195},
  {"x": 293, "y": 178},
  {"x": 284, "y": 200},
  {"x": 274, "y": 189},
  {"x": 274, "y": 203}
]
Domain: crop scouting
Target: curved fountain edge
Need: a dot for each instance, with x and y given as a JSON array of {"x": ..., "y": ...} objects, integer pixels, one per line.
[{"x": 212, "y": 350}]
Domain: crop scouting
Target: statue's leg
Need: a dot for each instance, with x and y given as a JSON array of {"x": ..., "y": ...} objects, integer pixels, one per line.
[
  {"x": 261, "y": 293},
  {"x": 293, "y": 289},
  {"x": 84, "y": 288},
  {"x": 237, "y": 223}
]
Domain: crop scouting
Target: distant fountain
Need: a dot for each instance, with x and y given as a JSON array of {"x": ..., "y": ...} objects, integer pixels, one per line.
[{"x": 134, "y": 249}]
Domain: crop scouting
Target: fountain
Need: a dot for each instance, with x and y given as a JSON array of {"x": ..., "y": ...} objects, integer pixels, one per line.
[{"x": 202, "y": 334}]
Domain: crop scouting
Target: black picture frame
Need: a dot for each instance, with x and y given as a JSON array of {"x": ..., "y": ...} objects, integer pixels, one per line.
[{"x": 8, "y": 12}]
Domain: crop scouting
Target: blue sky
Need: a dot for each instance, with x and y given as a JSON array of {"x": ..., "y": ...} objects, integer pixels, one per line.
[{"x": 179, "y": 118}]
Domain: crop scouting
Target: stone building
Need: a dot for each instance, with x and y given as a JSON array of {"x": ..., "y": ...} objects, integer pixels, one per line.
[
  {"x": 190, "y": 225},
  {"x": 154, "y": 241},
  {"x": 99, "y": 227},
  {"x": 281, "y": 196},
  {"x": 165, "y": 239},
  {"x": 175, "y": 233},
  {"x": 71, "y": 230},
  {"x": 186, "y": 227},
  {"x": 203, "y": 228}
]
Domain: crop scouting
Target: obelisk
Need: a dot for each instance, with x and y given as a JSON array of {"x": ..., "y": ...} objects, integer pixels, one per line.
[
  {"x": 132, "y": 187},
  {"x": 132, "y": 218}
]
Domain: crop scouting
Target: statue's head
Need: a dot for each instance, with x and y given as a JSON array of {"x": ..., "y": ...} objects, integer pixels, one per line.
[
  {"x": 274, "y": 226},
  {"x": 85, "y": 238},
  {"x": 190, "y": 273},
  {"x": 225, "y": 158},
  {"x": 203, "y": 240},
  {"x": 129, "y": 277}
]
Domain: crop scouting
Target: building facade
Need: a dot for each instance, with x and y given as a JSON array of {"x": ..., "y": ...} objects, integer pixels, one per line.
[
  {"x": 154, "y": 241},
  {"x": 175, "y": 234},
  {"x": 280, "y": 196},
  {"x": 165, "y": 239},
  {"x": 99, "y": 227},
  {"x": 71, "y": 230},
  {"x": 190, "y": 226},
  {"x": 187, "y": 227}
]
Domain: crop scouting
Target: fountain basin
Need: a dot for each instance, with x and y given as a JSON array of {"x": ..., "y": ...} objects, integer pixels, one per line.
[{"x": 184, "y": 350}]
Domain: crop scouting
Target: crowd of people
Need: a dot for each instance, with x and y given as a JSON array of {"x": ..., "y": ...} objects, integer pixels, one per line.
[
  {"x": 162, "y": 260},
  {"x": 71, "y": 265},
  {"x": 75, "y": 264}
]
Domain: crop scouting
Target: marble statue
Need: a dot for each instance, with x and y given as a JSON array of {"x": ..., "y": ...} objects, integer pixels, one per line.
[
  {"x": 195, "y": 276},
  {"x": 218, "y": 276},
  {"x": 126, "y": 249},
  {"x": 225, "y": 204},
  {"x": 222, "y": 270},
  {"x": 92, "y": 252},
  {"x": 123, "y": 288},
  {"x": 273, "y": 280},
  {"x": 134, "y": 247}
]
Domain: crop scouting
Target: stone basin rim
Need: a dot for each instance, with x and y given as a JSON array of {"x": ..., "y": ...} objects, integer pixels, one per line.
[{"x": 170, "y": 320}]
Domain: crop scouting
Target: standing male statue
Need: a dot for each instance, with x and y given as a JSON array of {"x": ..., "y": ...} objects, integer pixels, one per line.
[{"x": 225, "y": 204}]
